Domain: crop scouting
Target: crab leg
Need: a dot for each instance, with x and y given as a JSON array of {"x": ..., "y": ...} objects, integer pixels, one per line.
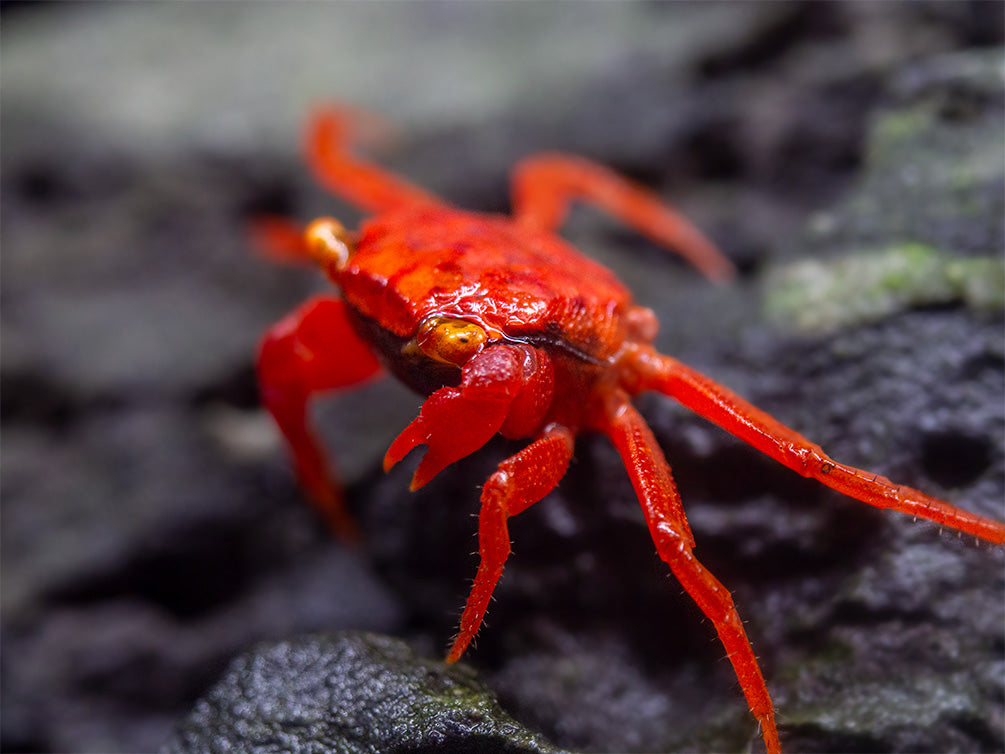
[
  {"x": 656, "y": 371},
  {"x": 650, "y": 475},
  {"x": 280, "y": 239},
  {"x": 311, "y": 350},
  {"x": 544, "y": 184},
  {"x": 330, "y": 132},
  {"x": 519, "y": 482}
]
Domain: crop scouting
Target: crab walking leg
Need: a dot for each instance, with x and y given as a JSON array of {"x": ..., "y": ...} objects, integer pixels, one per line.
[
  {"x": 280, "y": 239},
  {"x": 544, "y": 184},
  {"x": 656, "y": 371},
  {"x": 519, "y": 482},
  {"x": 311, "y": 350},
  {"x": 650, "y": 475},
  {"x": 330, "y": 133}
]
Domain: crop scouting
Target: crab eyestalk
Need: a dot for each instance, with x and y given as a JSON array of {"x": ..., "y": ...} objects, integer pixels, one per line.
[
  {"x": 329, "y": 245},
  {"x": 451, "y": 341}
]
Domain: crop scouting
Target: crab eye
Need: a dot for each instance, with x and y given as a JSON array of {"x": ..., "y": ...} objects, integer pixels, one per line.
[
  {"x": 452, "y": 341},
  {"x": 328, "y": 243}
]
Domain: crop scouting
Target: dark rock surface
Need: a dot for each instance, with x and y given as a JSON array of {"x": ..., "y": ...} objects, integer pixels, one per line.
[
  {"x": 350, "y": 693},
  {"x": 151, "y": 531}
]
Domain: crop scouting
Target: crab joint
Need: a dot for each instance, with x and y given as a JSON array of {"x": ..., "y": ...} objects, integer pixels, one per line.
[
  {"x": 328, "y": 243},
  {"x": 452, "y": 341}
]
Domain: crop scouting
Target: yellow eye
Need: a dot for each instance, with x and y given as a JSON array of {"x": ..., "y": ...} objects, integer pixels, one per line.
[
  {"x": 452, "y": 341},
  {"x": 328, "y": 243}
]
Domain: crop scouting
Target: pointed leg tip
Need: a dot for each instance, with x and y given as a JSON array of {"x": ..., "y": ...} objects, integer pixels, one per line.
[
  {"x": 724, "y": 275},
  {"x": 330, "y": 502},
  {"x": 348, "y": 533},
  {"x": 455, "y": 652}
]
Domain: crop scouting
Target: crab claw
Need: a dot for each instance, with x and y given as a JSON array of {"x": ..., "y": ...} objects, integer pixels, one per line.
[{"x": 456, "y": 421}]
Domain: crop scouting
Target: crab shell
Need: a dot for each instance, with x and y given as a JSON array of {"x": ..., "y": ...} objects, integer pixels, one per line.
[{"x": 517, "y": 284}]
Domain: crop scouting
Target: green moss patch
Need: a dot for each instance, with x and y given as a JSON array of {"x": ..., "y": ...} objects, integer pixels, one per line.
[{"x": 819, "y": 296}]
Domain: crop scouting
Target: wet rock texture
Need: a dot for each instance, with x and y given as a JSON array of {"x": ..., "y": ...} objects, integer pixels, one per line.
[{"x": 163, "y": 583}]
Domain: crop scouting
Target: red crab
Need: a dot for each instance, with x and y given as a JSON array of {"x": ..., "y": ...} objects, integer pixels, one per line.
[{"x": 508, "y": 329}]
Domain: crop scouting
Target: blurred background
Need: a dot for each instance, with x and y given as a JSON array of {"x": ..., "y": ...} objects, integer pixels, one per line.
[{"x": 151, "y": 529}]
